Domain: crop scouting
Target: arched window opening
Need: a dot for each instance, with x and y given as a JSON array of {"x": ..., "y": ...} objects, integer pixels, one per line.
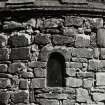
[{"x": 56, "y": 70}]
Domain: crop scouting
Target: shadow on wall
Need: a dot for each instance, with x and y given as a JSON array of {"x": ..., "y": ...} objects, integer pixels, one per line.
[{"x": 56, "y": 70}]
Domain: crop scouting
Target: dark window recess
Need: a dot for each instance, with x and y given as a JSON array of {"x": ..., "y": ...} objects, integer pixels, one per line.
[{"x": 56, "y": 70}]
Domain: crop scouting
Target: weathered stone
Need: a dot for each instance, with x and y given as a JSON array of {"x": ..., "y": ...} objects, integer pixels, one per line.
[
  {"x": 73, "y": 21},
  {"x": 85, "y": 74},
  {"x": 52, "y": 23},
  {"x": 69, "y": 31},
  {"x": 100, "y": 79},
  {"x": 22, "y": 53},
  {"x": 98, "y": 97},
  {"x": 102, "y": 53},
  {"x": 71, "y": 71},
  {"x": 37, "y": 64},
  {"x": 3, "y": 40},
  {"x": 27, "y": 75},
  {"x": 38, "y": 83},
  {"x": 53, "y": 96},
  {"x": 4, "y": 98},
  {"x": 53, "y": 31},
  {"x": 31, "y": 22},
  {"x": 75, "y": 65},
  {"x": 96, "y": 53},
  {"x": 16, "y": 67},
  {"x": 23, "y": 84},
  {"x": 5, "y": 83},
  {"x": 4, "y": 75},
  {"x": 20, "y": 97},
  {"x": 85, "y": 67},
  {"x": 94, "y": 103},
  {"x": 83, "y": 95},
  {"x": 10, "y": 25},
  {"x": 100, "y": 37},
  {"x": 4, "y": 54},
  {"x": 32, "y": 96},
  {"x": 39, "y": 23},
  {"x": 19, "y": 40},
  {"x": 82, "y": 52},
  {"x": 63, "y": 40},
  {"x": 94, "y": 65},
  {"x": 42, "y": 39},
  {"x": 73, "y": 82},
  {"x": 81, "y": 60},
  {"x": 3, "y": 68},
  {"x": 88, "y": 83},
  {"x": 69, "y": 102},
  {"x": 48, "y": 102},
  {"x": 72, "y": 1},
  {"x": 82, "y": 40},
  {"x": 39, "y": 72}
]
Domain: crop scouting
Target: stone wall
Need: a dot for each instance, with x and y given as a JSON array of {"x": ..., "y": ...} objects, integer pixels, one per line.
[{"x": 25, "y": 47}]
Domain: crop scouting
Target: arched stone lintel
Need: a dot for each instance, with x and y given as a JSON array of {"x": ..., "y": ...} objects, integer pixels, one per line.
[{"x": 47, "y": 50}]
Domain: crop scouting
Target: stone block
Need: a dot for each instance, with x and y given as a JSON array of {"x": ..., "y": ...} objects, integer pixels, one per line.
[
  {"x": 75, "y": 65},
  {"x": 81, "y": 60},
  {"x": 69, "y": 31},
  {"x": 42, "y": 39},
  {"x": 19, "y": 40},
  {"x": 73, "y": 21},
  {"x": 23, "y": 84},
  {"x": 22, "y": 53},
  {"x": 39, "y": 72},
  {"x": 20, "y": 97},
  {"x": 96, "y": 53},
  {"x": 16, "y": 67},
  {"x": 98, "y": 97},
  {"x": 38, "y": 83},
  {"x": 73, "y": 82},
  {"x": 83, "y": 95},
  {"x": 3, "y": 68},
  {"x": 71, "y": 71},
  {"x": 4, "y": 98},
  {"x": 4, "y": 54},
  {"x": 39, "y": 23},
  {"x": 37, "y": 64},
  {"x": 100, "y": 79},
  {"x": 82, "y": 40},
  {"x": 10, "y": 25},
  {"x": 48, "y": 102},
  {"x": 82, "y": 52},
  {"x": 94, "y": 65},
  {"x": 52, "y": 23},
  {"x": 27, "y": 75},
  {"x": 3, "y": 40},
  {"x": 31, "y": 22},
  {"x": 63, "y": 40},
  {"x": 69, "y": 102},
  {"x": 102, "y": 53},
  {"x": 5, "y": 83},
  {"x": 88, "y": 83},
  {"x": 85, "y": 74}
]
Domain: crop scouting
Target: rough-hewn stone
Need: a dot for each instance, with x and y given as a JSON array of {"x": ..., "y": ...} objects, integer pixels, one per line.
[
  {"x": 82, "y": 40},
  {"x": 100, "y": 79},
  {"x": 3, "y": 68},
  {"x": 19, "y": 40},
  {"x": 5, "y": 83},
  {"x": 42, "y": 39},
  {"x": 71, "y": 71},
  {"x": 73, "y": 82},
  {"x": 20, "y": 53},
  {"x": 4, "y": 54},
  {"x": 73, "y": 21},
  {"x": 83, "y": 95},
  {"x": 16, "y": 67},
  {"x": 23, "y": 84},
  {"x": 4, "y": 98},
  {"x": 82, "y": 52},
  {"x": 38, "y": 83},
  {"x": 63, "y": 40},
  {"x": 20, "y": 97}
]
